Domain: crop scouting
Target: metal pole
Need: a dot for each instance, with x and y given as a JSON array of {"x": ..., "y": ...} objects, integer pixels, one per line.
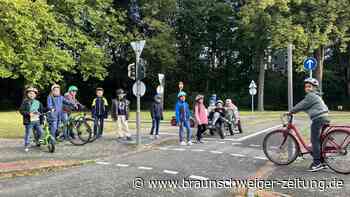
[
  {"x": 252, "y": 103},
  {"x": 310, "y": 73},
  {"x": 138, "y": 110},
  {"x": 290, "y": 76}
]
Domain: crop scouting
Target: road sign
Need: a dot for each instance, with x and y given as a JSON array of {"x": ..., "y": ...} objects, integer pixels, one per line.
[
  {"x": 252, "y": 91},
  {"x": 142, "y": 89},
  {"x": 310, "y": 63},
  {"x": 138, "y": 46},
  {"x": 252, "y": 85},
  {"x": 132, "y": 71},
  {"x": 160, "y": 89}
]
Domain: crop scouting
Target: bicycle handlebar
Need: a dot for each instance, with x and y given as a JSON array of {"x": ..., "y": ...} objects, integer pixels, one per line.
[{"x": 289, "y": 120}]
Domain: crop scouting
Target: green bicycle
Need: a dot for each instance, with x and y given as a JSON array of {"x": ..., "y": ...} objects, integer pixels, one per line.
[
  {"x": 46, "y": 138},
  {"x": 77, "y": 129}
]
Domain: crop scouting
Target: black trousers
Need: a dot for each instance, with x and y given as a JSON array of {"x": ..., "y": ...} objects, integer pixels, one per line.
[{"x": 200, "y": 131}]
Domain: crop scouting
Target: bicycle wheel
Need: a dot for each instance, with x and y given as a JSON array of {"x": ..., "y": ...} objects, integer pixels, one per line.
[
  {"x": 80, "y": 133},
  {"x": 335, "y": 151},
  {"x": 280, "y": 148}
]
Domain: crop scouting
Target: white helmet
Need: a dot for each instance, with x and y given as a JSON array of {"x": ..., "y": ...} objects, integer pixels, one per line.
[
  {"x": 55, "y": 86},
  {"x": 312, "y": 81}
]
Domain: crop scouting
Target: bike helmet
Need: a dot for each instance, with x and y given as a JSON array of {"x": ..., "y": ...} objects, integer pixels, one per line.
[
  {"x": 312, "y": 81},
  {"x": 219, "y": 101},
  {"x": 182, "y": 93},
  {"x": 31, "y": 89},
  {"x": 120, "y": 92},
  {"x": 55, "y": 86},
  {"x": 72, "y": 88}
]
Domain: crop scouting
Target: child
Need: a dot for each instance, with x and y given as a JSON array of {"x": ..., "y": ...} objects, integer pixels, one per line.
[
  {"x": 120, "y": 113},
  {"x": 99, "y": 111},
  {"x": 201, "y": 114},
  {"x": 317, "y": 110},
  {"x": 70, "y": 102},
  {"x": 157, "y": 115},
  {"x": 55, "y": 105},
  {"x": 232, "y": 114},
  {"x": 31, "y": 110},
  {"x": 183, "y": 118}
]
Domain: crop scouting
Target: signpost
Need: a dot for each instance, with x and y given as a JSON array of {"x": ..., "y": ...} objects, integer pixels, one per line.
[
  {"x": 252, "y": 92},
  {"x": 310, "y": 64},
  {"x": 160, "y": 88},
  {"x": 138, "y": 46},
  {"x": 142, "y": 89}
]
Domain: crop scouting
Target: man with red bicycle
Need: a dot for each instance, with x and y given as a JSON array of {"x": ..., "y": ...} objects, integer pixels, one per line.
[{"x": 317, "y": 110}]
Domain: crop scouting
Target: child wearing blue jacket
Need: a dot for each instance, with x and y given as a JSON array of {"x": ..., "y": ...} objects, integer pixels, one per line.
[
  {"x": 183, "y": 115},
  {"x": 55, "y": 104},
  {"x": 99, "y": 111}
]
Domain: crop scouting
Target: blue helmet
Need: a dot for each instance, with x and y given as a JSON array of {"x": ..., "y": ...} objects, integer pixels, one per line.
[{"x": 182, "y": 93}]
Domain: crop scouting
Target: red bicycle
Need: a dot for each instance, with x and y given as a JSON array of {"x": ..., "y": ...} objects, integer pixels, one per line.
[{"x": 284, "y": 145}]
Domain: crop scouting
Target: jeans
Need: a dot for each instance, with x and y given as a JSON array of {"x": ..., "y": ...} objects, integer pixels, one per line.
[
  {"x": 185, "y": 124},
  {"x": 200, "y": 131},
  {"x": 55, "y": 119},
  {"x": 28, "y": 131},
  {"x": 98, "y": 121},
  {"x": 155, "y": 125},
  {"x": 316, "y": 127}
]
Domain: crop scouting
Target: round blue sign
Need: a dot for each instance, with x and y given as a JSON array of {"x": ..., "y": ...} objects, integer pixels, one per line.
[{"x": 310, "y": 63}]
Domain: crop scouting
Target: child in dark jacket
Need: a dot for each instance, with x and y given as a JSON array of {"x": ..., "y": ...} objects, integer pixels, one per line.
[
  {"x": 31, "y": 110},
  {"x": 157, "y": 115},
  {"x": 99, "y": 111}
]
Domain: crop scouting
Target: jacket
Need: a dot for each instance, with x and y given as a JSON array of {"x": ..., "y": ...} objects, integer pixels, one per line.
[
  {"x": 55, "y": 102},
  {"x": 25, "y": 111},
  {"x": 115, "y": 105},
  {"x": 313, "y": 105},
  {"x": 71, "y": 104},
  {"x": 182, "y": 111},
  {"x": 157, "y": 110},
  {"x": 99, "y": 107},
  {"x": 201, "y": 114}
]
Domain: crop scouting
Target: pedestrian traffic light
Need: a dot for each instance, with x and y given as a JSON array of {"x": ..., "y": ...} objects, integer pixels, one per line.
[
  {"x": 141, "y": 72},
  {"x": 132, "y": 71}
]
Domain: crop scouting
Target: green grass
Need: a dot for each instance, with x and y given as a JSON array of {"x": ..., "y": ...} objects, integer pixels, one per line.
[{"x": 11, "y": 122}]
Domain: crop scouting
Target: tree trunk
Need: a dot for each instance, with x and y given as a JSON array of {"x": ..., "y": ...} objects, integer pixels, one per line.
[
  {"x": 320, "y": 61},
  {"x": 261, "y": 83}
]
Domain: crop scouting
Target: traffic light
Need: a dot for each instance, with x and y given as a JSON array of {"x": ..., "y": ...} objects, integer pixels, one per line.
[
  {"x": 141, "y": 72},
  {"x": 132, "y": 71}
]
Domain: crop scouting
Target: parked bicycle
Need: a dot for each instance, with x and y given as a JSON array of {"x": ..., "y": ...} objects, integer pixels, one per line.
[
  {"x": 77, "y": 129},
  {"x": 284, "y": 145},
  {"x": 46, "y": 138}
]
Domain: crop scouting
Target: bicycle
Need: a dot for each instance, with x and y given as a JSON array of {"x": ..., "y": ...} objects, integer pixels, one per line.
[
  {"x": 46, "y": 139},
  {"x": 78, "y": 130},
  {"x": 284, "y": 145}
]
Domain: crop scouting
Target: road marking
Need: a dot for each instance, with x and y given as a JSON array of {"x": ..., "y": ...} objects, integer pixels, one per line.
[
  {"x": 122, "y": 165},
  {"x": 257, "y": 133},
  {"x": 230, "y": 140},
  {"x": 166, "y": 133},
  {"x": 163, "y": 148},
  {"x": 144, "y": 168},
  {"x": 102, "y": 163},
  {"x": 254, "y": 145},
  {"x": 236, "y": 143},
  {"x": 170, "y": 172},
  {"x": 198, "y": 177},
  {"x": 197, "y": 150},
  {"x": 221, "y": 142},
  {"x": 262, "y": 158},
  {"x": 238, "y": 155},
  {"x": 179, "y": 149},
  {"x": 216, "y": 152}
]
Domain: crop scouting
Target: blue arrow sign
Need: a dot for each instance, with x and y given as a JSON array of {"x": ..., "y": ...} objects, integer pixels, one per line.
[{"x": 310, "y": 63}]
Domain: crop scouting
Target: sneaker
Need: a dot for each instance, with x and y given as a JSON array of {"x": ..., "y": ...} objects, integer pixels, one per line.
[
  {"x": 200, "y": 142},
  {"x": 156, "y": 137},
  {"x": 189, "y": 143},
  {"x": 119, "y": 138},
  {"x": 315, "y": 167},
  {"x": 128, "y": 138},
  {"x": 182, "y": 143},
  {"x": 26, "y": 149}
]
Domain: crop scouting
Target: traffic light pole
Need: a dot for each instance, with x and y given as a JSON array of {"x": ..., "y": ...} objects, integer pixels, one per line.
[{"x": 138, "y": 110}]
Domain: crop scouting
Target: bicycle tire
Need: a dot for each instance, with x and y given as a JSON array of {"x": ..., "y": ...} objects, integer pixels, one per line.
[
  {"x": 328, "y": 144},
  {"x": 84, "y": 131},
  {"x": 268, "y": 140}
]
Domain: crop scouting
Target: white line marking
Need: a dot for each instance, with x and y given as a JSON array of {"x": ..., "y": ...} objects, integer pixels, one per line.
[
  {"x": 122, "y": 165},
  {"x": 144, "y": 168},
  {"x": 179, "y": 149},
  {"x": 163, "y": 148},
  {"x": 166, "y": 133},
  {"x": 221, "y": 142},
  {"x": 238, "y": 155},
  {"x": 216, "y": 152},
  {"x": 198, "y": 177},
  {"x": 262, "y": 158},
  {"x": 197, "y": 150},
  {"x": 236, "y": 143},
  {"x": 230, "y": 140},
  {"x": 170, "y": 172},
  {"x": 102, "y": 163},
  {"x": 254, "y": 145},
  {"x": 257, "y": 133}
]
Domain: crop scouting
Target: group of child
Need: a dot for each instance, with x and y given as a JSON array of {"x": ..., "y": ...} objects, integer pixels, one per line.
[{"x": 60, "y": 107}]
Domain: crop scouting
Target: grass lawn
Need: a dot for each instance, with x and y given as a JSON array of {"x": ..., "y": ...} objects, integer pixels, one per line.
[{"x": 11, "y": 122}]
